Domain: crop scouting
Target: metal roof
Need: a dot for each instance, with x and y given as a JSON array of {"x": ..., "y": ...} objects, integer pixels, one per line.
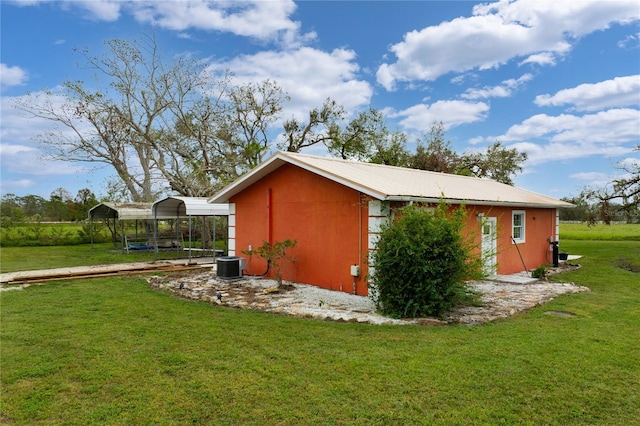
[
  {"x": 188, "y": 206},
  {"x": 123, "y": 211},
  {"x": 396, "y": 183}
]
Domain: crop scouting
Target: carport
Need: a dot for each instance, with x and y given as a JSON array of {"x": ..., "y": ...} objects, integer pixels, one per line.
[
  {"x": 121, "y": 212},
  {"x": 178, "y": 207}
]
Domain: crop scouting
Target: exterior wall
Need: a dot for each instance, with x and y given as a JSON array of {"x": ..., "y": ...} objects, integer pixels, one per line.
[
  {"x": 328, "y": 220},
  {"x": 336, "y": 227},
  {"x": 540, "y": 224}
]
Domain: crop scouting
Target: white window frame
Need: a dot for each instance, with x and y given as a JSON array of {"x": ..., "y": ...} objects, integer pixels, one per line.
[{"x": 522, "y": 238}]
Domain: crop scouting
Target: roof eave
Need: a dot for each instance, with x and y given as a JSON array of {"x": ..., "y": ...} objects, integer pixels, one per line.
[
  {"x": 274, "y": 163},
  {"x": 406, "y": 198}
]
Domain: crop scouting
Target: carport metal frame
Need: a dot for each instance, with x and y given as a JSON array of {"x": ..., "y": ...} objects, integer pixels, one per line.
[
  {"x": 121, "y": 212},
  {"x": 179, "y": 206}
]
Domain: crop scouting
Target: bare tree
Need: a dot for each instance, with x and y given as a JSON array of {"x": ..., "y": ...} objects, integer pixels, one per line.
[
  {"x": 217, "y": 140},
  {"x": 620, "y": 196},
  {"x": 355, "y": 139},
  {"x": 157, "y": 123}
]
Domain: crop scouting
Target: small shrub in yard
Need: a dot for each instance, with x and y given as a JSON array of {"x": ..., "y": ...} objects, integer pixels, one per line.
[
  {"x": 541, "y": 272},
  {"x": 275, "y": 254},
  {"x": 421, "y": 263}
]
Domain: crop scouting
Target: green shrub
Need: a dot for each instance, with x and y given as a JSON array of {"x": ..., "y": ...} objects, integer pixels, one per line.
[
  {"x": 541, "y": 272},
  {"x": 421, "y": 263},
  {"x": 275, "y": 254}
]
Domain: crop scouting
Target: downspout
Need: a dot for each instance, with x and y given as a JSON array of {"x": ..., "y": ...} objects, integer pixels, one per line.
[{"x": 269, "y": 217}]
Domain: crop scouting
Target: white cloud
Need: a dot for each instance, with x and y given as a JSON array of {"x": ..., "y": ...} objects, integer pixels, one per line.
[
  {"x": 630, "y": 42},
  {"x": 551, "y": 138},
  {"x": 11, "y": 149},
  {"x": 618, "y": 92},
  {"x": 593, "y": 179},
  {"x": 264, "y": 20},
  {"x": 19, "y": 153},
  {"x": 451, "y": 113},
  {"x": 12, "y": 76},
  {"x": 542, "y": 59},
  {"x": 608, "y": 127},
  {"x": 8, "y": 186},
  {"x": 590, "y": 176},
  {"x": 503, "y": 90},
  {"x": 629, "y": 163},
  {"x": 598, "y": 179},
  {"x": 24, "y": 3},
  {"x": 539, "y": 30},
  {"x": 308, "y": 76},
  {"x": 539, "y": 153},
  {"x": 100, "y": 10},
  {"x": 29, "y": 161},
  {"x": 103, "y": 10}
]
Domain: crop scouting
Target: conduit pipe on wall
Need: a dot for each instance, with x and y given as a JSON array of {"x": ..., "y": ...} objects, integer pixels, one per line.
[{"x": 269, "y": 218}]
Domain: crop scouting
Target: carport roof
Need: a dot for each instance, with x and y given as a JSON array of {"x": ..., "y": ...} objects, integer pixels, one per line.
[
  {"x": 188, "y": 206},
  {"x": 122, "y": 211},
  {"x": 391, "y": 183}
]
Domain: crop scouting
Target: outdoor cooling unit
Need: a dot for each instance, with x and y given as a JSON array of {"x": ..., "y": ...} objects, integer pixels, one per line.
[{"x": 229, "y": 267}]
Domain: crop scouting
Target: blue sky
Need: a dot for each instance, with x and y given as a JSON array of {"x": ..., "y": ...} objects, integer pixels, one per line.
[{"x": 557, "y": 79}]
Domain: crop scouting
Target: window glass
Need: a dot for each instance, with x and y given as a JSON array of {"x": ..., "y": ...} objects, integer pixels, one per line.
[{"x": 518, "y": 226}]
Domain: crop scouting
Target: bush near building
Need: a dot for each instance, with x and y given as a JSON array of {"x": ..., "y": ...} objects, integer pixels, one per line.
[{"x": 422, "y": 261}]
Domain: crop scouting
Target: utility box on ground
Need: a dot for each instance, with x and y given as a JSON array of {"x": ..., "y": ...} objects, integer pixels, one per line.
[{"x": 229, "y": 267}]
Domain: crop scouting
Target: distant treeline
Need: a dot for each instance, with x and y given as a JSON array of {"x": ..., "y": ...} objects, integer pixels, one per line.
[
  {"x": 597, "y": 212},
  {"x": 60, "y": 207}
]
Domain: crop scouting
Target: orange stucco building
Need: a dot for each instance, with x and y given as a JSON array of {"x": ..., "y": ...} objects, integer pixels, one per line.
[{"x": 334, "y": 209}]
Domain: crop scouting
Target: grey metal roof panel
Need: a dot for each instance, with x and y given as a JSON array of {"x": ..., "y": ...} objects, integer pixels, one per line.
[
  {"x": 122, "y": 211},
  {"x": 397, "y": 183},
  {"x": 175, "y": 206}
]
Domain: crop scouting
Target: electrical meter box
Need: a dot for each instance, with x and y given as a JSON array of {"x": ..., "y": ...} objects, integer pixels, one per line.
[{"x": 355, "y": 270}]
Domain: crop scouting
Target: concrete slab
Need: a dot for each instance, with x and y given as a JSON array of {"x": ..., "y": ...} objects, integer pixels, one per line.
[
  {"x": 517, "y": 278},
  {"x": 9, "y": 277}
]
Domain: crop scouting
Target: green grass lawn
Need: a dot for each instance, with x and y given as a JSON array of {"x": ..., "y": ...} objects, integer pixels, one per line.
[
  {"x": 113, "y": 351},
  {"x": 613, "y": 232},
  {"x": 14, "y": 259}
]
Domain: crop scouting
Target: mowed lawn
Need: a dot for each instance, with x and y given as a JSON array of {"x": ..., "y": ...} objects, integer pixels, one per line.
[{"x": 113, "y": 351}]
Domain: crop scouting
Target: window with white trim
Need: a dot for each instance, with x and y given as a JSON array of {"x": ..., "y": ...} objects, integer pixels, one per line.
[{"x": 517, "y": 226}]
